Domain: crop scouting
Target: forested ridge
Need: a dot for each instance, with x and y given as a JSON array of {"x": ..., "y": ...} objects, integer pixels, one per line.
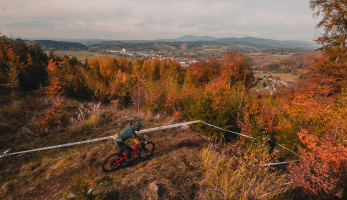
[{"x": 48, "y": 45}]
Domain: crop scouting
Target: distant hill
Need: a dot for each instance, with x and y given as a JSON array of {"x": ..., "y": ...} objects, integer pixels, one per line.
[
  {"x": 58, "y": 45},
  {"x": 286, "y": 51},
  {"x": 269, "y": 43},
  {"x": 245, "y": 42},
  {"x": 189, "y": 38},
  {"x": 257, "y": 43}
]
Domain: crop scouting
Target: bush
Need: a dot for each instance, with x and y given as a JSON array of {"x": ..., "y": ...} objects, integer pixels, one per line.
[
  {"x": 321, "y": 173},
  {"x": 222, "y": 110},
  {"x": 317, "y": 180},
  {"x": 53, "y": 116}
]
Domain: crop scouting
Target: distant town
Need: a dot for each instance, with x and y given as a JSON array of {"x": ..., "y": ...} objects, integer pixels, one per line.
[{"x": 160, "y": 55}]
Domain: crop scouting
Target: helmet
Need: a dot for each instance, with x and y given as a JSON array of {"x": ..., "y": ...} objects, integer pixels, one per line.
[{"x": 138, "y": 124}]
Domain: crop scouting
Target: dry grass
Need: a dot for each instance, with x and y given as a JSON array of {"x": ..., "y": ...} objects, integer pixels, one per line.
[
  {"x": 233, "y": 178},
  {"x": 86, "y": 119},
  {"x": 267, "y": 58}
]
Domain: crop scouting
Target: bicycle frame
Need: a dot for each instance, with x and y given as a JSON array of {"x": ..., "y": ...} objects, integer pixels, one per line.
[{"x": 135, "y": 147}]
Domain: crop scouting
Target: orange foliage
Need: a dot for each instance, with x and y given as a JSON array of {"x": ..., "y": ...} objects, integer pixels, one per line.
[
  {"x": 15, "y": 67},
  {"x": 327, "y": 149},
  {"x": 217, "y": 86},
  {"x": 203, "y": 72},
  {"x": 120, "y": 85},
  {"x": 173, "y": 94},
  {"x": 327, "y": 73},
  {"x": 317, "y": 180},
  {"x": 106, "y": 67},
  {"x": 53, "y": 116},
  {"x": 55, "y": 86},
  {"x": 235, "y": 68},
  {"x": 262, "y": 117}
]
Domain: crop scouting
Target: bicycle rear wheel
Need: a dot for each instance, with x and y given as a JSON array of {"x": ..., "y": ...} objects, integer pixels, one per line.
[
  {"x": 113, "y": 162},
  {"x": 147, "y": 151}
]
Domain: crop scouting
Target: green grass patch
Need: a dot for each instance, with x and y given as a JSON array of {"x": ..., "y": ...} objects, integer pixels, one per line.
[{"x": 259, "y": 85}]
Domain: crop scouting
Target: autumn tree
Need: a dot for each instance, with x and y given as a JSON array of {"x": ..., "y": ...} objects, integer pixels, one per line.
[
  {"x": 55, "y": 86},
  {"x": 329, "y": 70},
  {"x": 23, "y": 66},
  {"x": 324, "y": 150},
  {"x": 155, "y": 69},
  {"x": 203, "y": 71},
  {"x": 15, "y": 67},
  {"x": 235, "y": 68},
  {"x": 334, "y": 22},
  {"x": 3, "y": 60}
]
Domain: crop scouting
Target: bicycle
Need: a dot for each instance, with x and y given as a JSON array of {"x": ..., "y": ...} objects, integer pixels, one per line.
[{"x": 116, "y": 160}]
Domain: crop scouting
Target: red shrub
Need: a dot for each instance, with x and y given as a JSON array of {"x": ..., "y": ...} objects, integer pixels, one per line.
[{"x": 316, "y": 179}]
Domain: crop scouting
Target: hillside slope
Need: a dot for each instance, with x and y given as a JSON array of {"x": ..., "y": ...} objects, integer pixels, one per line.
[
  {"x": 49, "y": 174},
  {"x": 178, "y": 169}
]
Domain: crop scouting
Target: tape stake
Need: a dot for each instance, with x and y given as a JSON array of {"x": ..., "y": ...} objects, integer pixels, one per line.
[{"x": 278, "y": 163}]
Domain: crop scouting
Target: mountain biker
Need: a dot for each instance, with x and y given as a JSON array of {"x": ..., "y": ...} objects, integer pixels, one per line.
[{"x": 128, "y": 132}]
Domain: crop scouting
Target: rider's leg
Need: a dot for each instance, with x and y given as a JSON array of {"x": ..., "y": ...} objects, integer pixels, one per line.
[
  {"x": 128, "y": 149},
  {"x": 120, "y": 151},
  {"x": 120, "y": 146}
]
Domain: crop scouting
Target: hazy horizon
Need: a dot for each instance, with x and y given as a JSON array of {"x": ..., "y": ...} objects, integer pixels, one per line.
[
  {"x": 77, "y": 39},
  {"x": 153, "y": 19}
]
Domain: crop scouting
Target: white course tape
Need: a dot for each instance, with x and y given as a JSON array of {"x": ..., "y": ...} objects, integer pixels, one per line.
[
  {"x": 166, "y": 127},
  {"x": 250, "y": 137},
  {"x": 95, "y": 140},
  {"x": 282, "y": 146},
  {"x": 145, "y": 131},
  {"x": 278, "y": 163},
  {"x": 226, "y": 130}
]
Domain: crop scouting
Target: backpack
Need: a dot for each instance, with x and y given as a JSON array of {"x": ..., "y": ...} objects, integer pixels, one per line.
[{"x": 117, "y": 138}]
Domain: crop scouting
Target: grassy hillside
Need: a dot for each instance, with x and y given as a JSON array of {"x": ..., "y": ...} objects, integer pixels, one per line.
[{"x": 180, "y": 167}]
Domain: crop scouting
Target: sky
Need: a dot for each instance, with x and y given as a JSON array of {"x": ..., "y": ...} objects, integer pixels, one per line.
[{"x": 158, "y": 19}]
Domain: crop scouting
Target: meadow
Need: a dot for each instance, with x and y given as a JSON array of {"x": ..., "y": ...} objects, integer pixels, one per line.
[
  {"x": 83, "y": 55},
  {"x": 287, "y": 77}
]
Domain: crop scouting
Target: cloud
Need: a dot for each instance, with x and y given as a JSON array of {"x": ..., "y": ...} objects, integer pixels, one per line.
[
  {"x": 30, "y": 25},
  {"x": 153, "y": 19}
]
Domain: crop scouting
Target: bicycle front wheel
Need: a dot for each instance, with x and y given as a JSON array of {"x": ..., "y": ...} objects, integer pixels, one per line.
[
  {"x": 113, "y": 162},
  {"x": 147, "y": 151}
]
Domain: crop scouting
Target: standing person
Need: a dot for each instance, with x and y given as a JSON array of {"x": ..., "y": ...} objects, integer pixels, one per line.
[{"x": 128, "y": 132}]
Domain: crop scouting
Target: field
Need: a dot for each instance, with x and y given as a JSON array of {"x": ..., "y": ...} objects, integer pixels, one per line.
[
  {"x": 260, "y": 59},
  {"x": 268, "y": 57},
  {"x": 82, "y": 55},
  {"x": 259, "y": 85},
  {"x": 213, "y": 49},
  {"x": 283, "y": 76}
]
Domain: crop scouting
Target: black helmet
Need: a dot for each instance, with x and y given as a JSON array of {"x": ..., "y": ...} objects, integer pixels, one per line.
[{"x": 138, "y": 124}]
